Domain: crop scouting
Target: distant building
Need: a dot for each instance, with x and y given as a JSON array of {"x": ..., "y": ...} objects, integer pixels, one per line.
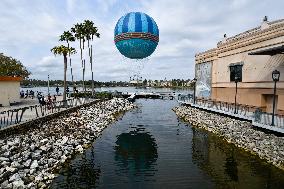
[
  {"x": 216, "y": 68},
  {"x": 136, "y": 81},
  {"x": 9, "y": 90}
]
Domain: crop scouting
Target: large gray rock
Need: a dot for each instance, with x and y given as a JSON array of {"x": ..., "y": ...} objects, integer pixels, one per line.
[
  {"x": 34, "y": 164},
  {"x": 4, "y": 159},
  {"x": 18, "y": 184},
  {"x": 11, "y": 169},
  {"x": 15, "y": 177},
  {"x": 27, "y": 163}
]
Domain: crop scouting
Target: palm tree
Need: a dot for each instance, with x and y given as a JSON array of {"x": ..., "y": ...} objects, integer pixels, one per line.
[
  {"x": 68, "y": 37},
  {"x": 63, "y": 50},
  {"x": 78, "y": 31},
  {"x": 89, "y": 32}
]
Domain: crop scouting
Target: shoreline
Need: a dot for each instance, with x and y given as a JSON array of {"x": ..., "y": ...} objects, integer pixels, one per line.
[
  {"x": 31, "y": 159},
  {"x": 89, "y": 87},
  {"x": 268, "y": 147}
]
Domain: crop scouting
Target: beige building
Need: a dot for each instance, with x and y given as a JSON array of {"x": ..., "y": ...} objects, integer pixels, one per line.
[
  {"x": 216, "y": 68},
  {"x": 9, "y": 90}
]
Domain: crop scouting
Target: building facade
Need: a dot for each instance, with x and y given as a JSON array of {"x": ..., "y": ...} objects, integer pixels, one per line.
[
  {"x": 9, "y": 90},
  {"x": 217, "y": 68}
]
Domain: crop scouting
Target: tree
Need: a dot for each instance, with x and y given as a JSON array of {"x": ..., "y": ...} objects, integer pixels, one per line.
[
  {"x": 78, "y": 31},
  {"x": 12, "y": 67},
  {"x": 89, "y": 32},
  {"x": 83, "y": 32},
  {"x": 68, "y": 37},
  {"x": 63, "y": 50},
  {"x": 145, "y": 82}
]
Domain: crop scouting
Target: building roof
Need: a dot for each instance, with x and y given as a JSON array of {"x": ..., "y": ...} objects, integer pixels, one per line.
[
  {"x": 235, "y": 44},
  {"x": 10, "y": 78},
  {"x": 271, "y": 51},
  {"x": 253, "y": 30}
]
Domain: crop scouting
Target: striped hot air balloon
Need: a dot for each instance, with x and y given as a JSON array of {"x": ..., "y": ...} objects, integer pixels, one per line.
[{"x": 136, "y": 35}]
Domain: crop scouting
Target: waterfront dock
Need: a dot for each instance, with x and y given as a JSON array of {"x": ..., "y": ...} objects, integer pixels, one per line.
[{"x": 156, "y": 95}]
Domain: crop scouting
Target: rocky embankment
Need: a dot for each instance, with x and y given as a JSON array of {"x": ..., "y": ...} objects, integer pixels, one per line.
[
  {"x": 240, "y": 133},
  {"x": 30, "y": 160}
]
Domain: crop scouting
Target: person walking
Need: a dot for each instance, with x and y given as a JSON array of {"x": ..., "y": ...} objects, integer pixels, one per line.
[
  {"x": 27, "y": 94},
  {"x": 67, "y": 91},
  {"x": 57, "y": 90},
  {"x": 32, "y": 94},
  {"x": 22, "y": 94},
  {"x": 49, "y": 102},
  {"x": 54, "y": 98}
]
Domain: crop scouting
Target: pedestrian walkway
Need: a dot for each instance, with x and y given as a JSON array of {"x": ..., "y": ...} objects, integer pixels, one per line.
[
  {"x": 256, "y": 116},
  {"x": 29, "y": 110}
]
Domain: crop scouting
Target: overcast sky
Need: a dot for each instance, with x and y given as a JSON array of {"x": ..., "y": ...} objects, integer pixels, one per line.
[{"x": 30, "y": 28}]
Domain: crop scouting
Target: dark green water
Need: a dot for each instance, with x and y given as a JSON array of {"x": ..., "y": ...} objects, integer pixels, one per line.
[{"x": 150, "y": 148}]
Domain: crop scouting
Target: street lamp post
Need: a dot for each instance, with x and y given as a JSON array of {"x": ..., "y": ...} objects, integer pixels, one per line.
[
  {"x": 236, "y": 81},
  {"x": 275, "y": 77},
  {"x": 48, "y": 84},
  {"x": 194, "y": 92}
]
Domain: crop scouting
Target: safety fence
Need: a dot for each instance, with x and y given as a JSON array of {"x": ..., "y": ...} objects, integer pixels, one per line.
[
  {"x": 253, "y": 113},
  {"x": 266, "y": 119},
  {"x": 19, "y": 115}
]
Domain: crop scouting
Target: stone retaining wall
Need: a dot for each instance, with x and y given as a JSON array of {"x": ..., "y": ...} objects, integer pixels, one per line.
[
  {"x": 241, "y": 133},
  {"x": 30, "y": 157}
]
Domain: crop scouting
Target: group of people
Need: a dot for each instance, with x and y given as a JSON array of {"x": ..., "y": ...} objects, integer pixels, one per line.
[
  {"x": 27, "y": 94},
  {"x": 67, "y": 90},
  {"x": 41, "y": 98},
  {"x": 45, "y": 100}
]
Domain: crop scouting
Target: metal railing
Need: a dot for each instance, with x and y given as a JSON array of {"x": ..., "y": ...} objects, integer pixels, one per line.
[
  {"x": 266, "y": 119},
  {"x": 19, "y": 115},
  {"x": 244, "y": 111}
]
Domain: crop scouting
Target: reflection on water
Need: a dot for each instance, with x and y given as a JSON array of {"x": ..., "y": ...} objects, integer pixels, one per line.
[
  {"x": 81, "y": 173},
  {"x": 136, "y": 153},
  {"x": 150, "y": 148},
  {"x": 230, "y": 167}
]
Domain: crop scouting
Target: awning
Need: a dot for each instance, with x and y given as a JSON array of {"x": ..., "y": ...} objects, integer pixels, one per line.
[
  {"x": 10, "y": 78},
  {"x": 271, "y": 51}
]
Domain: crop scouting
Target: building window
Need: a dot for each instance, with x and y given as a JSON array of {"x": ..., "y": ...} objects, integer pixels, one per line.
[{"x": 236, "y": 70}]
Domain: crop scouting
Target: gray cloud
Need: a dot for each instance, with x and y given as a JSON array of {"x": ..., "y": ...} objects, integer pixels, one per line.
[{"x": 31, "y": 28}]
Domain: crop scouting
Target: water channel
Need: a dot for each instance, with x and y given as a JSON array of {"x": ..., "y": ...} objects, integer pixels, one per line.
[{"x": 150, "y": 147}]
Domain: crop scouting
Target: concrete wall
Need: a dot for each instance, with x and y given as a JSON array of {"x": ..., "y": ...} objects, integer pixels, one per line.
[
  {"x": 256, "y": 88},
  {"x": 9, "y": 92},
  {"x": 257, "y": 70},
  {"x": 261, "y": 98}
]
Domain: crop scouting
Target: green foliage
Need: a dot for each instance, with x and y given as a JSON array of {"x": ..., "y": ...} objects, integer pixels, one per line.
[
  {"x": 54, "y": 83},
  {"x": 90, "y": 30},
  {"x": 67, "y": 36},
  {"x": 63, "y": 50},
  {"x": 85, "y": 31},
  {"x": 12, "y": 67},
  {"x": 145, "y": 82},
  {"x": 103, "y": 95},
  {"x": 78, "y": 31}
]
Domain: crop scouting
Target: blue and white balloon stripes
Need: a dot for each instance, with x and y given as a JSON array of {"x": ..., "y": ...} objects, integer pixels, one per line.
[{"x": 136, "y": 35}]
